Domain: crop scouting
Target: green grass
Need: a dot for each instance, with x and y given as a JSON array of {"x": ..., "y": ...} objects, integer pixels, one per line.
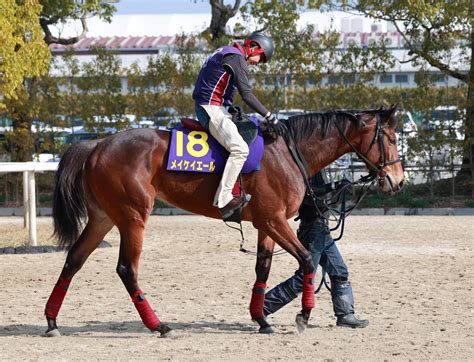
[
  {"x": 399, "y": 200},
  {"x": 413, "y": 198},
  {"x": 469, "y": 203}
]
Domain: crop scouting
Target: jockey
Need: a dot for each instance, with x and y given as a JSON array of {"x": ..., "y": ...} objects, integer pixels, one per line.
[{"x": 223, "y": 72}]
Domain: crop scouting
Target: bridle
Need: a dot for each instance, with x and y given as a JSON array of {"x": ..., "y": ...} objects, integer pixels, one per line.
[{"x": 376, "y": 171}]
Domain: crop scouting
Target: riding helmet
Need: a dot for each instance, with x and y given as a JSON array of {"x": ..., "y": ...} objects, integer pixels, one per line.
[{"x": 267, "y": 47}]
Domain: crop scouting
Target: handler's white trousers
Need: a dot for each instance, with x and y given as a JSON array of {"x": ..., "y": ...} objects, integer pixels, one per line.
[{"x": 225, "y": 132}]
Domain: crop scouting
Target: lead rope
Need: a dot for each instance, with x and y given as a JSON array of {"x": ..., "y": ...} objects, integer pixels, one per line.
[
  {"x": 241, "y": 231},
  {"x": 323, "y": 281},
  {"x": 303, "y": 167}
]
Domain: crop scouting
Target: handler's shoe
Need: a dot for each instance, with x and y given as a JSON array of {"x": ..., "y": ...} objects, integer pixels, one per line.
[{"x": 349, "y": 320}]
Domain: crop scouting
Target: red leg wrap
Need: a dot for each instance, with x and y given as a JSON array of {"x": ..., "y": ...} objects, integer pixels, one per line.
[
  {"x": 258, "y": 298},
  {"x": 56, "y": 298},
  {"x": 308, "y": 291},
  {"x": 148, "y": 316},
  {"x": 236, "y": 189}
]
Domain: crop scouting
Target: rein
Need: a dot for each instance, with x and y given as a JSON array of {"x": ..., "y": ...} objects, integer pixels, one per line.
[{"x": 378, "y": 138}]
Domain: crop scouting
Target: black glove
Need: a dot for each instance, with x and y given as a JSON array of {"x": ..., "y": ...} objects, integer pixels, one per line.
[
  {"x": 279, "y": 128},
  {"x": 236, "y": 112}
]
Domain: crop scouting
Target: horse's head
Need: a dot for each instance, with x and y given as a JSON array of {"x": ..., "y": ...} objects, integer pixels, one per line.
[{"x": 375, "y": 143}]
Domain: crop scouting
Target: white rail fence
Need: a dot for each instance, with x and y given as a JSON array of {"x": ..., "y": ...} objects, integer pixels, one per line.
[{"x": 29, "y": 190}]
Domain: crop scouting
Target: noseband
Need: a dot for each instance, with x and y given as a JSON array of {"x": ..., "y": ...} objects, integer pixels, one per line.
[{"x": 376, "y": 171}]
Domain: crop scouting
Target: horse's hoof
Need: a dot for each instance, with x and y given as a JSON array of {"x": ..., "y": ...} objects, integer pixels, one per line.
[
  {"x": 266, "y": 330},
  {"x": 169, "y": 334},
  {"x": 301, "y": 323},
  {"x": 53, "y": 333},
  {"x": 165, "y": 331}
]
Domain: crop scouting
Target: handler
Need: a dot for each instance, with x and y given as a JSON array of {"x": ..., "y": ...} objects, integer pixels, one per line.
[{"x": 314, "y": 234}]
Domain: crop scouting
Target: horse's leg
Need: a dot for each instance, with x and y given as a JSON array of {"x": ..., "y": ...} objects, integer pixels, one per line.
[
  {"x": 131, "y": 239},
  {"x": 280, "y": 231},
  {"x": 262, "y": 269},
  {"x": 90, "y": 238}
]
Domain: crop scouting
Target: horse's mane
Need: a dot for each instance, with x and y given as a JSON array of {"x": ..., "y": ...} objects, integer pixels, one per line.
[{"x": 305, "y": 125}]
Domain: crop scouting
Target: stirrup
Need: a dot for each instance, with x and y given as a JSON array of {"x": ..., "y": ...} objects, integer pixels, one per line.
[{"x": 236, "y": 215}]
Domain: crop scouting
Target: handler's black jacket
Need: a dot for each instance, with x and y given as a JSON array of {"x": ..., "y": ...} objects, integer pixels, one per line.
[{"x": 308, "y": 211}]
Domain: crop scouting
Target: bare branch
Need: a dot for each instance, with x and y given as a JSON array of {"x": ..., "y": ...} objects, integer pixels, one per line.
[
  {"x": 432, "y": 61},
  {"x": 413, "y": 48},
  {"x": 223, "y": 8},
  {"x": 408, "y": 60},
  {"x": 50, "y": 39},
  {"x": 217, "y": 4},
  {"x": 220, "y": 16},
  {"x": 236, "y": 7},
  {"x": 49, "y": 21}
]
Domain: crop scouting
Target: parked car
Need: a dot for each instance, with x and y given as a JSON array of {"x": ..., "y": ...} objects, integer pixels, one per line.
[
  {"x": 449, "y": 120},
  {"x": 287, "y": 113},
  {"x": 406, "y": 129}
]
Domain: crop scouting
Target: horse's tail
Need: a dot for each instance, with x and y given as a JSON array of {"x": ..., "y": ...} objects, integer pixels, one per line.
[{"x": 69, "y": 207}]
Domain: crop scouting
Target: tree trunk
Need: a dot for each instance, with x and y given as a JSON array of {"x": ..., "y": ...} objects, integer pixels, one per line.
[
  {"x": 22, "y": 141},
  {"x": 467, "y": 172},
  {"x": 220, "y": 16}
]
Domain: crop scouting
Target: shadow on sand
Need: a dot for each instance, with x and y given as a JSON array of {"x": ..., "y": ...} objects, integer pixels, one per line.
[{"x": 115, "y": 329}]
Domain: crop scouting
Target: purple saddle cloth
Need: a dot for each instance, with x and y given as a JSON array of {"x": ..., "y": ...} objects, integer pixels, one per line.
[{"x": 193, "y": 149}]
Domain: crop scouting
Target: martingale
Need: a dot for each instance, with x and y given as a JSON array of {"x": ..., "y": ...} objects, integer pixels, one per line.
[{"x": 198, "y": 151}]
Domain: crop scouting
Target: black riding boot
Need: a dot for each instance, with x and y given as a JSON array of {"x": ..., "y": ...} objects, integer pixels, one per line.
[{"x": 343, "y": 304}]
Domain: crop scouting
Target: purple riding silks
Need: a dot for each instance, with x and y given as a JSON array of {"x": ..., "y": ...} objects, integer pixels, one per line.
[{"x": 196, "y": 151}]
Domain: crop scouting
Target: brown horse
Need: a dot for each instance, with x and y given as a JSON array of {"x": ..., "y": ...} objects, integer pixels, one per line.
[{"x": 115, "y": 181}]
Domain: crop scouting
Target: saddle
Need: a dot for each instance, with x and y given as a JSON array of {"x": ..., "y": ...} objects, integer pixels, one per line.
[{"x": 247, "y": 128}]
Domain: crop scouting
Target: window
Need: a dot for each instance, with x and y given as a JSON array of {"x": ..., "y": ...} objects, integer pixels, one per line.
[
  {"x": 438, "y": 78},
  {"x": 401, "y": 78},
  {"x": 351, "y": 43},
  {"x": 349, "y": 79},
  {"x": 386, "y": 78},
  {"x": 334, "y": 79},
  {"x": 374, "y": 28},
  {"x": 312, "y": 81},
  {"x": 268, "y": 80}
]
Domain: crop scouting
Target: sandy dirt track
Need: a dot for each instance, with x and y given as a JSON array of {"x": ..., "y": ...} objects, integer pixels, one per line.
[{"x": 412, "y": 278}]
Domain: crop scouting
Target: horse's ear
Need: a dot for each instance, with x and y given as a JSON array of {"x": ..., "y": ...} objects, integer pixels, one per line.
[
  {"x": 360, "y": 122},
  {"x": 392, "y": 109},
  {"x": 390, "y": 115}
]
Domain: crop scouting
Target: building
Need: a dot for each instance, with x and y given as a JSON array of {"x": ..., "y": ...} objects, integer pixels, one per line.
[{"x": 135, "y": 37}]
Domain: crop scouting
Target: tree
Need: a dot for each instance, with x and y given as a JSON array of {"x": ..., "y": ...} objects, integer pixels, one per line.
[
  {"x": 32, "y": 35},
  {"x": 436, "y": 32},
  {"x": 149, "y": 89},
  {"x": 22, "y": 50},
  {"x": 56, "y": 12},
  {"x": 163, "y": 88},
  {"x": 220, "y": 16},
  {"x": 303, "y": 55},
  {"x": 102, "y": 104}
]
